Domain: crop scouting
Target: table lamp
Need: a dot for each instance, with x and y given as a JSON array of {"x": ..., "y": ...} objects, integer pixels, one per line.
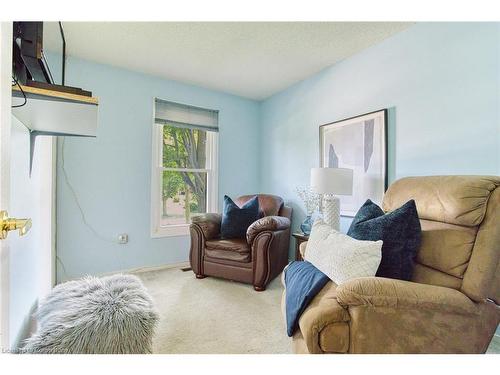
[{"x": 330, "y": 182}]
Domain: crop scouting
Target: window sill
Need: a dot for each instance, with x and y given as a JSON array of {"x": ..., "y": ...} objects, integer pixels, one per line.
[{"x": 172, "y": 231}]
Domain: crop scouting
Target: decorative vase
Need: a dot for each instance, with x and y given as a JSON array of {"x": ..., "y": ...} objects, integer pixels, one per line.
[{"x": 306, "y": 225}]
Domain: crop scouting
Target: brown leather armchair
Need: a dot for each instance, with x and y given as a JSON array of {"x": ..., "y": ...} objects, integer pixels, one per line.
[
  {"x": 451, "y": 305},
  {"x": 256, "y": 259}
]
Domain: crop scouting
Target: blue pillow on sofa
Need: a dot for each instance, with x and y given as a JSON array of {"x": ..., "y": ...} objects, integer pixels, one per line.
[
  {"x": 236, "y": 220},
  {"x": 399, "y": 230}
]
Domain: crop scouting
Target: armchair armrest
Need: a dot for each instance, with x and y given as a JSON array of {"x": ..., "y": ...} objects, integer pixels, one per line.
[
  {"x": 323, "y": 315},
  {"x": 383, "y": 292},
  {"x": 209, "y": 224},
  {"x": 267, "y": 223}
]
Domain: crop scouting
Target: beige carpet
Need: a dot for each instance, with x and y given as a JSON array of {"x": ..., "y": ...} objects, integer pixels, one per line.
[
  {"x": 218, "y": 316},
  {"x": 215, "y": 316}
]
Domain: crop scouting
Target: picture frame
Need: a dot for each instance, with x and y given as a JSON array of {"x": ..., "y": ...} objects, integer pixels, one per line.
[{"x": 358, "y": 143}]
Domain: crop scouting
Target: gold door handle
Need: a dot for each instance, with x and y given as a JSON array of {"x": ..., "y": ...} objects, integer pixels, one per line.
[{"x": 7, "y": 224}]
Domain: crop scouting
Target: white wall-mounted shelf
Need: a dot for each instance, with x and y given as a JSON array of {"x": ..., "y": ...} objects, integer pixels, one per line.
[
  {"x": 54, "y": 113},
  {"x": 50, "y": 112}
]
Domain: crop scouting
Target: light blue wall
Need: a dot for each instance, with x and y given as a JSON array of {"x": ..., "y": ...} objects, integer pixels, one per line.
[
  {"x": 441, "y": 84},
  {"x": 439, "y": 80},
  {"x": 112, "y": 173}
]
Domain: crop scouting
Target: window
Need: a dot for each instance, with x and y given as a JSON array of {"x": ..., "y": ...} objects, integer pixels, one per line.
[{"x": 184, "y": 182}]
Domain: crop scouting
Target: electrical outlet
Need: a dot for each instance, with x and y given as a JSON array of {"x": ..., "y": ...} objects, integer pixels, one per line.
[{"x": 123, "y": 238}]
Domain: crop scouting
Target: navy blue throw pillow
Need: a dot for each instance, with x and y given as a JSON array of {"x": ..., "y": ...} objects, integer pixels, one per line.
[
  {"x": 399, "y": 229},
  {"x": 236, "y": 220}
]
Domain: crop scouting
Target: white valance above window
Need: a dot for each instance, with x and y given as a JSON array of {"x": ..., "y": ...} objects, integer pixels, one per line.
[{"x": 186, "y": 116}]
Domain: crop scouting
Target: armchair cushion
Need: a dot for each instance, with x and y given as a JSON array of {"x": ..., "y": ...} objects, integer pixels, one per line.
[
  {"x": 236, "y": 249},
  {"x": 209, "y": 224},
  {"x": 383, "y": 292},
  {"x": 271, "y": 223}
]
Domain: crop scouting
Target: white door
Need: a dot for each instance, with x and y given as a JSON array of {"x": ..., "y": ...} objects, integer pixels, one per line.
[
  {"x": 26, "y": 262},
  {"x": 5, "y": 100}
]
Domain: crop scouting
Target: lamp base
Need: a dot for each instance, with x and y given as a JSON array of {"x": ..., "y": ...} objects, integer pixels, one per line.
[{"x": 331, "y": 211}]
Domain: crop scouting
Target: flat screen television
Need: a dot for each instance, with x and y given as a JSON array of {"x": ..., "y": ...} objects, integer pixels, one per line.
[{"x": 29, "y": 62}]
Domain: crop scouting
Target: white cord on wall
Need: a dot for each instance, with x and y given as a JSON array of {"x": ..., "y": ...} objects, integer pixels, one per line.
[
  {"x": 63, "y": 267},
  {"x": 73, "y": 193}
]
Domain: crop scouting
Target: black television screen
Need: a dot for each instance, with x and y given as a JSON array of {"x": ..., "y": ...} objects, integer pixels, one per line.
[
  {"x": 39, "y": 55},
  {"x": 29, "y": 63}
]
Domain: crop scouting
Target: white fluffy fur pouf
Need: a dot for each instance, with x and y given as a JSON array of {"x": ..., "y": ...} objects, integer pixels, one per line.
[{"x": 107, "y": 315}]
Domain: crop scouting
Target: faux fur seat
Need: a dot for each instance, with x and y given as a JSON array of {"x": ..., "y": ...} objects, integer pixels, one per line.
[{"x": 106, "y": 315}]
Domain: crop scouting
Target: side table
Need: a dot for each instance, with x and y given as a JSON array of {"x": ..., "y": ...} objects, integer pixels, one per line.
[{"x": 299, "y": 238}]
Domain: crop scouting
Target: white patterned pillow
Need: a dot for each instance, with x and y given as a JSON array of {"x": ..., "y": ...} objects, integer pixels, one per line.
[{"x": 339, "y": 256}]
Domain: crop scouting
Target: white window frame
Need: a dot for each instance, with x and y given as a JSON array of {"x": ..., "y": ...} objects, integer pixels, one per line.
[{"x": 158, "y": 231}]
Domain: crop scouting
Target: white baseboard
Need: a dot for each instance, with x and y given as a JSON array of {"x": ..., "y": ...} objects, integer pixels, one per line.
[
  {"x": 151, "y": 268},
  {"x": 135, "y": 270}
]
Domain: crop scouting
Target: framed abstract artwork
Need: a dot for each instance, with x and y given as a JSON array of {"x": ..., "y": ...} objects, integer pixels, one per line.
[{"x": 358, "y": 143}]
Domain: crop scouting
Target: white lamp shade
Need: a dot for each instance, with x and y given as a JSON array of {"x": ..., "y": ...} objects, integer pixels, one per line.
[{"x": 331, "y": 180}]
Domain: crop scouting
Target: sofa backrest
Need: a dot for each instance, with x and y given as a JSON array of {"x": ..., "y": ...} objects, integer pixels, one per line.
[
  {"x": 460, "y": 219},
  {"x": 270, "y": 205}
]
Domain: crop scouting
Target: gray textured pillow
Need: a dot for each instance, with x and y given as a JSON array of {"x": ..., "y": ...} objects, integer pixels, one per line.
[
  {"x": 339, "y": 256},
  {"x": 109, "y": 315}
]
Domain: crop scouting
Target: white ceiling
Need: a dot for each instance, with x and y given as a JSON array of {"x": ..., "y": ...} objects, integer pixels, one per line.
[{"x": 253, "y": 59}]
